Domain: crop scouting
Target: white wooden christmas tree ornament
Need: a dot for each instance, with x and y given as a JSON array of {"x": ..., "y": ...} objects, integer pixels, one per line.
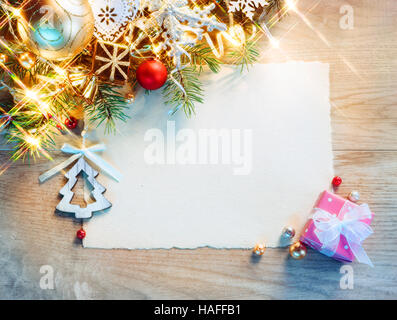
[
  {"x": 101, "y": 203},
  {"x": 81, "y": 166}
]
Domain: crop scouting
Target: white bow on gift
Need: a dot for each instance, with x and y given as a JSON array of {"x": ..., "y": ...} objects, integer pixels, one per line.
[
  {"x": 329, "y": 228},
  {"x": 89, "y": 153}
]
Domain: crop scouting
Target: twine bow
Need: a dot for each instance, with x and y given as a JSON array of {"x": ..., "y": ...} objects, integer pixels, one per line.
[
  {"x": 77, "y": 153},
  {"x": 329, "y": 229}
]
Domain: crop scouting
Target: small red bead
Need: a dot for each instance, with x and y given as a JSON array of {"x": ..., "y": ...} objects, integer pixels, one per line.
[
  {"x": 71, "y": 123},
  {"x": 81, "y": 234},
  {"x": 336, "y": 181}
]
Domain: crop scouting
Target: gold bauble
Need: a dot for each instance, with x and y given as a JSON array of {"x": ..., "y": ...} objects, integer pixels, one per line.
[
  {"x": 27, "y": 60},
  {"x": 259, "y": 249},
  {"x": 56, "y": 29},
  {"x": 91, "y": 88},
  {"x": 129, "y": 98},
  {"x": 84, "y": 82},
  {"x": 297, "y": 250},
  {"x": 3, "y": 58}
]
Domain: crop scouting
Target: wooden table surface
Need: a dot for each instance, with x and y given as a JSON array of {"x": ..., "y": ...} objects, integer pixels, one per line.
[{"x": 363, "y": 71}]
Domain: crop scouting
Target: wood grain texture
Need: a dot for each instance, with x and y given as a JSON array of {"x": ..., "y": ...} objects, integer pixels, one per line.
[{"x": 364, "y": 120}]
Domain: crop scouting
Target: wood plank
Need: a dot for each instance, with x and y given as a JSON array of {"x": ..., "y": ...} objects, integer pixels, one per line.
[
  {"x": 364, "y": 138},
  {"x": 32, "y": 236}
]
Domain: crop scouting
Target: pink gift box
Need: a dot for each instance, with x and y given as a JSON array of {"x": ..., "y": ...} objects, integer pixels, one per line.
[{"x": 338, "y": 206}]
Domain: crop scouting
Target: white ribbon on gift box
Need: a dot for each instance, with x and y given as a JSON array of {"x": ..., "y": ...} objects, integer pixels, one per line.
[
  {"x": 329, "y": 228},
  {"x": 83, "y": 152}
]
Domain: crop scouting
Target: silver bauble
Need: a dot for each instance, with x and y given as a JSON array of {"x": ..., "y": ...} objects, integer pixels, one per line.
[
  {"x": 288, "y": 232},
  {"x": 56, "y": 29},
  {"x": 354, "y": 196}
]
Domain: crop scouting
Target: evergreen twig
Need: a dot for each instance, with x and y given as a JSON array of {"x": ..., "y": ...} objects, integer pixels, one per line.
[
  {"x": 274, "y": 6},
  {"x": 246, "y": 55},
  {"x": 201, "y": 55},
  {"x": 176, "y": 98},
  {"x": 109, "y": 106}
]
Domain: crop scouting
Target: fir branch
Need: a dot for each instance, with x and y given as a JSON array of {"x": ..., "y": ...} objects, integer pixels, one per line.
[
  {"x": 201, "y": 55},
  {"x": 64, "y": 102},
  {"x": 41, "y": 67},
  {"x": 108, "y": 107},
  {"x": 38, "y": 128},
  {"x": 246, "y": 55},
  {"x": 274, "y": 6},
  {"x": 176, "y": 98},
  {"x": 13, "y": 65}
]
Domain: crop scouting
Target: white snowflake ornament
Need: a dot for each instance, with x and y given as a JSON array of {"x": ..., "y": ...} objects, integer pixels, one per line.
[
  {"x": 179, "y": 22},
  {"x": 248, "y": 7},
  {"x": 112, "y": 17}
]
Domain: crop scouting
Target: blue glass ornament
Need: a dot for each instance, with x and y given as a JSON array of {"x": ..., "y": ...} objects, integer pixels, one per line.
[{"x": 48, "y": 38}]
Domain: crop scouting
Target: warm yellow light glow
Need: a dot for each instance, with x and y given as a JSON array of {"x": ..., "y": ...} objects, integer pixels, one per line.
[
  {"x": 44, "y": 108},
  {"x": 238, "y": 33},
  {"x": 156, "y": 49},
  {"x": 33, "y": 141},
  {"x": 218, "y": 53},
  {"x": 274, "y": 42},
  {"x": 235, "y": 36},
  {"x": 17, "y": 13},
  {"x": 231, "y": 39},
  {"x": 291, "y": 4},
  {"x": 60, "y": 71},
  {"x": 32, "y": 95}
]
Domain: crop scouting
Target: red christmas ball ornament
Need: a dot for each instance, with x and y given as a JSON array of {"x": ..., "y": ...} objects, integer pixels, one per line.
[
  {"x": 151, "y": 74},
  {"x": 71, "y": 123},
  {"x": 336, "y": 181},
  {"x": 80, "y": 234}
]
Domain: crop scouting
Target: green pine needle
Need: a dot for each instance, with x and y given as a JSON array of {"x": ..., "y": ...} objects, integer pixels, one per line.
[
  {"x": 109, "y": 106},
  {"x": 176, "y": 98},
  {"x": 201, "y": 55},
  {"x": 274, "y": 6},
  {"x": 246, "y": 55}
]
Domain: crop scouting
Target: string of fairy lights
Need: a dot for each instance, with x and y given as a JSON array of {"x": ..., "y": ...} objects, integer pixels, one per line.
[{"x": 65, "y": 74}]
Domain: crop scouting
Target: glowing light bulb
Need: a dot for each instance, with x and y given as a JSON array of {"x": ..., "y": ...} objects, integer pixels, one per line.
[
  {"x": 44, "y": 108},
  {"x": 60, "y": 71},
  {"x": 274, "y": 42},
  {"x": 290, "y": 4},
  {"x": 32, "y": 95},
  {"x": 33, "y": 141},
  {"x": 156, "y": 49},
  {"x": 17, "y": 13}
]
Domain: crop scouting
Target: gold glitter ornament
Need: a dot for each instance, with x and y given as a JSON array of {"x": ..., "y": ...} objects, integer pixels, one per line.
[
  {"x": 84, "y": 82},
  {"x": 27, "y": 60},
  {"x": 259, "y": 249},
  {"x": 3, "y": 58},
  {"x": 297, "y": 250},
  {"x": 55, "y": 29},
  {"x": 129, "y": 98}
]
